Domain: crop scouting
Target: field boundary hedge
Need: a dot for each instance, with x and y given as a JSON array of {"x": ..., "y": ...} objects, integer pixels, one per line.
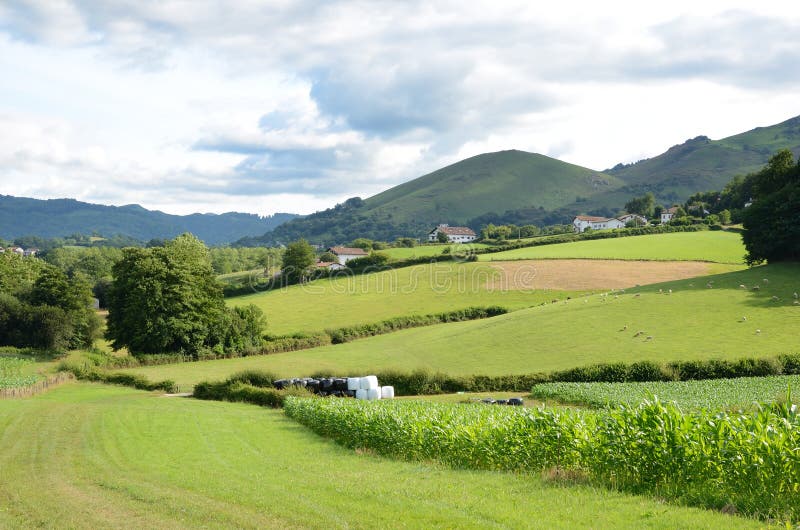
[
  {"x": 89, "y": 373},
  {"x": 39, "y": 387},
  {"x": 305, "y": 341}
]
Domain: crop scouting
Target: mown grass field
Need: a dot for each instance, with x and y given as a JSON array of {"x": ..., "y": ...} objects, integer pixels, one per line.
[
  {"x": 91, "y": 456},
  {"x": 715, "y": 246},
  {"x": 714, "y": 394},
  {"x": 421, "y": 289},
  {"x": 694, "y": 322},
  {"x": 420, "y": 251}
]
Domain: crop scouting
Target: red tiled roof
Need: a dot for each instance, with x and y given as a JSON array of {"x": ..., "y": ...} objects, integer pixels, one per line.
[
  {"x": 348, "y": 251},
  {"x": 672, "y": 210}
]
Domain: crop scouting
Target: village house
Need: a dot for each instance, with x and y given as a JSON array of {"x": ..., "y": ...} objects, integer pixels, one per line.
[
  {"x": 582, "y": 222},
  {"x": 455, "y": 234},
  {"x": 668, "y": 214},
  {"x": 330, "y": 265},
  {"x": 345, "y": 254}
]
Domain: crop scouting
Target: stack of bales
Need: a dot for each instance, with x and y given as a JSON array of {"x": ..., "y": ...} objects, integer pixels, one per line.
[{"x": 358, "y": 387}]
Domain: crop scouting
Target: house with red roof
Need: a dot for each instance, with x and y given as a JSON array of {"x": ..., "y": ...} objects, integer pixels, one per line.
[{"x": 455, "y": 234}]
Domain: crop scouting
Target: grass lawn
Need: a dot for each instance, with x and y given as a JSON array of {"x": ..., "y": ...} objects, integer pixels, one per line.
[
  {"x": 426, "y": 250},
  {"x": 421, "y": 289},
  {"x": 715, "y": 246},
  {"x": 89, "y": 456},
  {"x": 694, "y": 322}
]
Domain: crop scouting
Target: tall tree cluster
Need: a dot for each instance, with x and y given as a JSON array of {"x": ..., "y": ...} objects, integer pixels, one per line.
[
  {"x": 166, "y": 299},
  {"x": 772, "y": 222}
]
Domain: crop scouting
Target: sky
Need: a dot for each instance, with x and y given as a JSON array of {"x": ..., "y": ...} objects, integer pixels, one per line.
[{"x": 292, "y": 106}]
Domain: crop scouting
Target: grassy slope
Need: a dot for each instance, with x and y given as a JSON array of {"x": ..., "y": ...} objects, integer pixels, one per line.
[
  {"x": 719, "y": 247},
  {"x": 87, "y": 456},
  {"x": 447, "y": 286},
  {"x": 420, "y": 289},
  {"x": 702, "y": 164},
  {"x": 692, "y": 323},
  {"x": 489, "y": 182}
]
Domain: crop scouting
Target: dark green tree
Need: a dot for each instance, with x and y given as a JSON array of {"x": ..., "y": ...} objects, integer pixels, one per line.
[
  {"x": 441, "y": 237},
  {"x": 166, "y": 299},
  {"x": 772, "y": 222},
  {"x": 298, "y": 260},
  {"x": 644, "y": 205}
]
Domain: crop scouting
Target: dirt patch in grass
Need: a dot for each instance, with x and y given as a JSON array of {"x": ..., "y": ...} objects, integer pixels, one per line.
[{"x": 590, "y": 274}]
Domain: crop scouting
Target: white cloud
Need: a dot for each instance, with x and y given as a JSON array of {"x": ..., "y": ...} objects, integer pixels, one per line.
[{"x": 294, "y": 105}]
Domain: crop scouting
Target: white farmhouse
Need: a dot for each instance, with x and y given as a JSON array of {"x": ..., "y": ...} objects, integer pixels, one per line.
[
  {"x": 668, "y": 214},
  {"x": 345, "y": 254},
  {"x": 582, "y": 222},
  {"x": 455, "y": 234}
]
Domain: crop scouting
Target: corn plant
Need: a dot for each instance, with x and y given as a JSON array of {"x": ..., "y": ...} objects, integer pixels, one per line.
[
  {"x": 705, "y": 458},
  {"x": 12, "y": 375}
]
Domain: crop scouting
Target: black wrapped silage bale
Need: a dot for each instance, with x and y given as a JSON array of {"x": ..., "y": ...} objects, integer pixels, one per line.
[
  {"x": 501, "y": 402},
  {"x": 280, "y": 384},
  {"x": 340, "y": 383},
  {"x": 516, "y": 402}
]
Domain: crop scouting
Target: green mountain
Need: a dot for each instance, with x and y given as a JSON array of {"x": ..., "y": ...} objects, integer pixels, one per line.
[
  {"x": 21, "y": 216},
  {"x": 487, "y": 184},
  {"x": 701, "y": 164}
]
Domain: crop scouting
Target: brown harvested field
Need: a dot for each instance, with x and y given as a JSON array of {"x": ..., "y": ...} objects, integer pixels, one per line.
[{"x": 591, "y": 274}]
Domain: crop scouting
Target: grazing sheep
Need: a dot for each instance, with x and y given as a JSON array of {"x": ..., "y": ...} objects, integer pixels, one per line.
[
  {"x": 637, "y": 295},
  {"x": 742, "y": 286},
  {"x": 649, "y": 337},
  {"x": 765, "y": 280},
  {"x": 758, "y": 332},
  {"x": 776, "y": 299},
  {"x": 669, "y": 292},
  {"x": 638, "y": 333},
  {"x": 756, "y": 288},
  {"x": 797, "y": 302},
  {"x": 744, "y": 319},
  {"x": 795, "y": 296},
  {"x": 708, "y": 285},
  {"x": 660, "y": 291}
]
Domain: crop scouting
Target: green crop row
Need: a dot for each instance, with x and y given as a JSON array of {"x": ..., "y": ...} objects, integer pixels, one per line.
[
  {"x": 712, "y": 393},
  {"x": 12, "y": 373},
  {"x": 748, "y": 463}
]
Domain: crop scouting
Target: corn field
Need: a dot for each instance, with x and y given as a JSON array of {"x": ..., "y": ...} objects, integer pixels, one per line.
[
  {"x": 749, "y": 463},
  {"x": 12, "y": 374},
  {"x": 718, "y": 394}
]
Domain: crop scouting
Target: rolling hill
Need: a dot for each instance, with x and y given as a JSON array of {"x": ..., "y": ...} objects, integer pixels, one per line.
[
  {"x": 702, "y": 164},
  {"x": 62, "y": 217},
  {"x": 491, "y": 182},
  {"x": 522, "y": 188}
]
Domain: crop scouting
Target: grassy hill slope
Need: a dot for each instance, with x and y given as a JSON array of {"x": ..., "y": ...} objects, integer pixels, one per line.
[
  {"x": 693, "y": 322},
  {"x": 492, "y": 182},
  {"x": 714, "y": 246},
  {"x": 21, "y": 216},
  {"x": 701, "y": 164},
  {"x": 88, "y": 456}
]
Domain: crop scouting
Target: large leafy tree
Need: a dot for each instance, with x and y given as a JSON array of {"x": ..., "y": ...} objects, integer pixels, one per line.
[
  {"x": 644, "y": 205},
  {"x": 298, "y": 259},
  {"x": 167, "y": 299},
  {"x": 772, "y": 222}
]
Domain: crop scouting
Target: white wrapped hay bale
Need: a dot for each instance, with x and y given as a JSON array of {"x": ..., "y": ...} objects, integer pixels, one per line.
[
  {"x": 353, "y": 383},
  {"x": 373, "y": 393},
  {"x": 387, "y": 392},
  {"x": 361, "y": 394},
  {"x": 369, "y": 382}
]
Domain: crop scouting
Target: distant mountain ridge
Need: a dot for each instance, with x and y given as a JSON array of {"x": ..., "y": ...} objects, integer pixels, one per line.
[
  {"x": 20, "y": 216},
  {"x": 520, "y": 187}
]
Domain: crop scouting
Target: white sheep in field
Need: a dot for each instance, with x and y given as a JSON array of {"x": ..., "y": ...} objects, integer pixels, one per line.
[
  {"x": 670, "y": 291},
  {"x": 756, "y": 288},
  {"x": 744, "y": 319},
  {"x": 776, "y": 299},
  {"x": 765, "y": 280},
  {"x": 758, "y": 332},
  {"x": 797, "y": 302},
  {"x": 795, "y": 296},
  {"x": 742, "y": 286}
]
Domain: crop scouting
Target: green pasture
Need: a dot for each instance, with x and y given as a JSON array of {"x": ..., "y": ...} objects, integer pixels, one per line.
[
  {"x": 91, "y": 456},
  {"x": 418, "y": 290},
  {"x": 421, "y": 251},
  {"x": 693, "y": 322},
  {"x": 714, "y": 246},
  {"x": 714, "y": 394}
]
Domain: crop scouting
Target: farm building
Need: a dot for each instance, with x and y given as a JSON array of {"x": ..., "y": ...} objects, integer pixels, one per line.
[
  {"x": 668, "y": 214},
  {"x": 332, "y": 265},
  {"x": 345, "y": 254},
  {"x": 582, "y": 222},
  {"x": 455, "y": 234}
]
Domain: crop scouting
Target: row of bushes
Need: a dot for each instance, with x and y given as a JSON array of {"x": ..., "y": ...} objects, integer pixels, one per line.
[
  {"x": 347, "y": 334},
  {"x": 304, "y": 341},
  {"x": 427, "y": 382},
  {"x": 250, "y": 386},
  {"x": 90, "y": 373}
]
